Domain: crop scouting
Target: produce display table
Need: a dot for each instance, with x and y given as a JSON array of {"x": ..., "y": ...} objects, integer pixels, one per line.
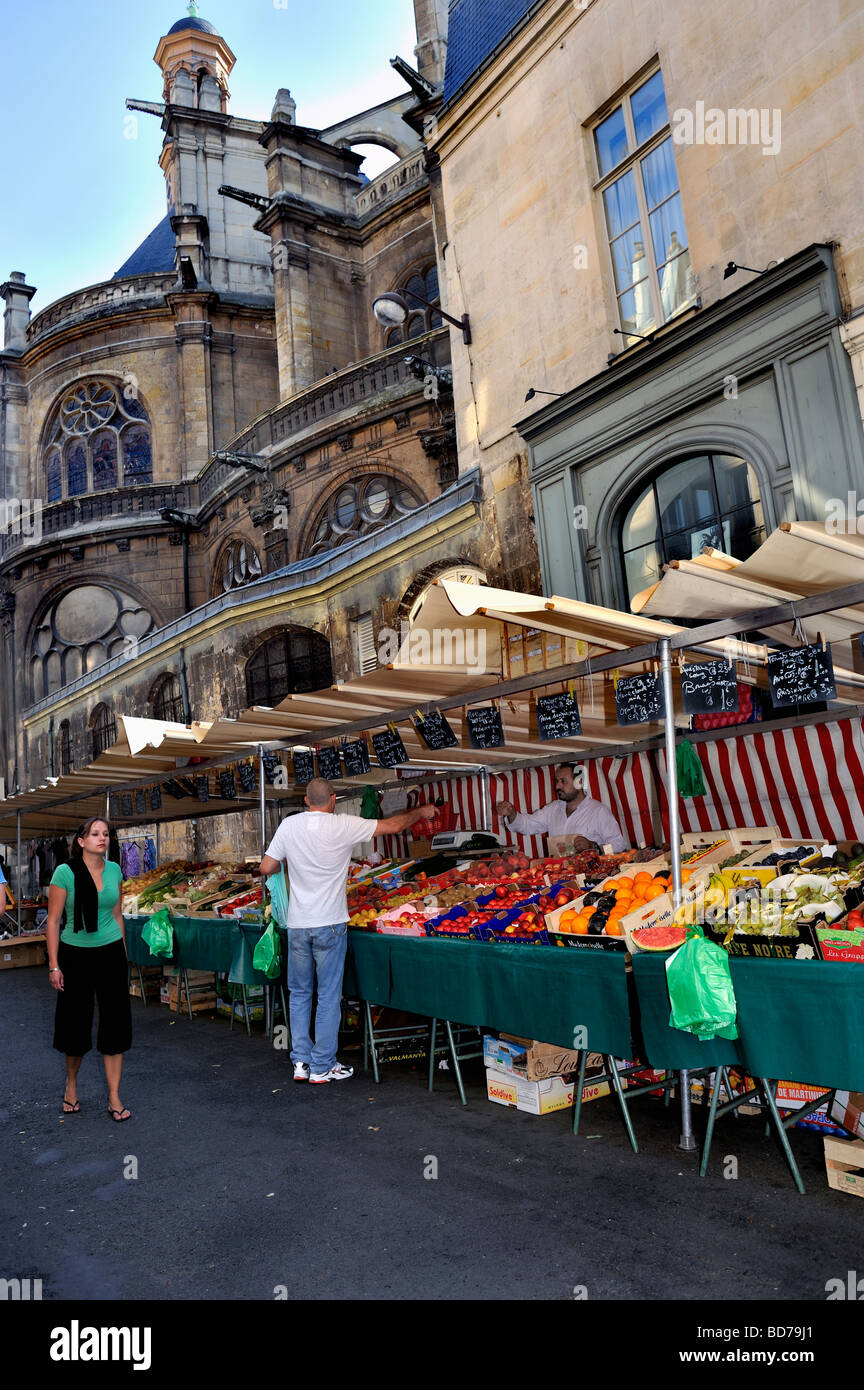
[
  {"x": 797, "y": 1020},
  {"x": 532, "y": 991},
  {"x": 200, "y": 943}
]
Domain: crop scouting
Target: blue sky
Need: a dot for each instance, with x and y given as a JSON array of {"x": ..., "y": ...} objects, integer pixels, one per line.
[{"x": 78, "y": 196}]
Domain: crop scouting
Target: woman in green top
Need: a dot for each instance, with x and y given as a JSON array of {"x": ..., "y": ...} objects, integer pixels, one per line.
[{"x": 88, "y": 962}]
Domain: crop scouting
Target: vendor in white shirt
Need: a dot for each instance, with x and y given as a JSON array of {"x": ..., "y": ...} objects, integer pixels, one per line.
[{"x": 591, "y": 824}]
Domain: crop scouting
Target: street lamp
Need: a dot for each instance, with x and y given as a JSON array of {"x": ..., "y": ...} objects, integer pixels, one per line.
[{"x": 392, "y": 310}]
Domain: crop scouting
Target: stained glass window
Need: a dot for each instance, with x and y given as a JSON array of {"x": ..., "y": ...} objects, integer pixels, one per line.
[
  {"x": 54, "y": 474},
  {"x": 288, "y": 663},
  {"x": 104, "y": 448},
  {"x": 359, "y": 509},
  {"x": 137, "y": 455},
  {"x": 76, "y": 469},
  {"x": 90, "y": 423},
  {"x": 422, "y": 283}
]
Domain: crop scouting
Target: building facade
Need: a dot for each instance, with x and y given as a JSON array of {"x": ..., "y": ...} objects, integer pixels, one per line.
[
  {"x": 229, "y": 477},
  {"x": 605, "y": 174}
]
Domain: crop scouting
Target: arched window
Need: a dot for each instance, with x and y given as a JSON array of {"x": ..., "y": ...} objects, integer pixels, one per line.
[
  {"x": 80, "y": 629},
  {"x": 99, "y": 438},
  {"x": 705, "y": 500},
  {"x": 64, "y": 749},
  {"x": 168, "y": 701},
  {"x": 360, "y": 507},
  {"x": 291, "y": 662},
  {"x": 103, "y": 727},
  {"x": 421, "y": 320},
  {"x": 238, "y": 565}
]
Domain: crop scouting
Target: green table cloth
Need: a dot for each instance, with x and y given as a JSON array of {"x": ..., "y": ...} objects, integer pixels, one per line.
[
  {"x": 200, "y": 943},
  {"x": 798, "y": 1020},
  {"x": 667, "y": 1048},
  {"x": 532, "y": 991}
]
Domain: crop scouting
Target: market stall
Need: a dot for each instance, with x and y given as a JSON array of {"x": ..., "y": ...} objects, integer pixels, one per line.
[{"x": 480, "y": 974}]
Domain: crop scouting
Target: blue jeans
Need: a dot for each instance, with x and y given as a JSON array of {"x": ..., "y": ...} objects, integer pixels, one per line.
[{"x": 310, "y": 949}]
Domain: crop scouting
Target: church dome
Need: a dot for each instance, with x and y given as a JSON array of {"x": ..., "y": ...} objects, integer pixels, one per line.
[{"x": 191, "y": 22}]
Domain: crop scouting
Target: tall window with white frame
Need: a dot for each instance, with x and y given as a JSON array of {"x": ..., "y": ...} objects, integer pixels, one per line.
[{"x": 638, "y": 183}]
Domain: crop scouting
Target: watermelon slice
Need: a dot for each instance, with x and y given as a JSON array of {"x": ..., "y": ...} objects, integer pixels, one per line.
[{"x": 665, "y": 938}]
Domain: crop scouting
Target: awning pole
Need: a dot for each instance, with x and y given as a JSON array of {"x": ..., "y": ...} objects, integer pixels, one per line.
[
  {"x": 261, "y": 803},
  {"x": 18, "y": 874},
  {"x": 687, "y": 1141},
  {"x": 485, "y": 801},
  {"x": 156, "y": 865}
]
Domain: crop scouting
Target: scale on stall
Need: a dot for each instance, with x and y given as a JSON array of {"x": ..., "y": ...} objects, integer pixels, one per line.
[{"x": 459, "y": 839}]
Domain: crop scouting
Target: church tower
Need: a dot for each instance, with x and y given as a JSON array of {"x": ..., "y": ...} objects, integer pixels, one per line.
[{"x": 196, "y": 63}]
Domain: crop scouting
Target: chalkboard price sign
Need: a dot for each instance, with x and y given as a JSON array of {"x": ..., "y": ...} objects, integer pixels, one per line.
[
  {"x": 155, "y": 799},
  {"x": 801, "y": 676},
  {"x": 356, "y": 756},
  {"x": 389, "y": 748},
  {"x": 227, "y": 785},
  {"x": 485, "y": 729},
  {"x": 558, "y": 717},
  {"x": 114, "y": 805},
  {"x": 329, "y": 764},
  {"x": 140, "y": 802},
  {"x": 435, "y": 731},
  {"x": 248, "y": 779},
  {"x": 304, "y": 767},
  {"x": 709, "y": 687},
  {"x": 126, "y": 803},
  {"x": 639, "y": 699},
  {"x": 271, "y": 766},
  {"x": 202, "y": 787}
]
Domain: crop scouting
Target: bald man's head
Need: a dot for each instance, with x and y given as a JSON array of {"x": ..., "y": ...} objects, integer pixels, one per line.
[{"x": 318, "y": 793}]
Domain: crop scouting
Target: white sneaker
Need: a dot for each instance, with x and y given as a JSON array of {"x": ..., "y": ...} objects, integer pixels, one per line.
[
  {"x": 337, "y": 1073},
  {"x": 301, "y": 1071}
]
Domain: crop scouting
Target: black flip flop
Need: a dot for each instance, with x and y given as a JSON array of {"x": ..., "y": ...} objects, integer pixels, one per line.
[
  {"x": 117, "y": 1115},
  {"x": 76, "y": 1107}
]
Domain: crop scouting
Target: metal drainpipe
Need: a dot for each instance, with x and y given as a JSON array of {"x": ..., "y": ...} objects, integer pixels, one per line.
[
  {"x": 186, "y": 604},
  {"x": 51, "y": 745},
  {"x": 184, "y": 689}
]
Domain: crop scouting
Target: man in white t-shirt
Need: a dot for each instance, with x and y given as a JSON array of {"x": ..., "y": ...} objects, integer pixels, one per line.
[
  {"x": 591, "y": 824},
  {"x": 316, "y": 846}
]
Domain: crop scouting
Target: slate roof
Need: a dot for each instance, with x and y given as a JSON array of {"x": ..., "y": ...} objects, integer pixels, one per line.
[
  {"x": 476, "y": 28},
  {"x": 190, "y": 22},
  {"x": 156, "y": 252}
]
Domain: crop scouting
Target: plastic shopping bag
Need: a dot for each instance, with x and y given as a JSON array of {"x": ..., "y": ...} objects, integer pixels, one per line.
[
  {"x": 267, "y": 956},
  {"x": 277, "y": 887},
  {"x": 700, "y": 989},
  {"x": 158, "y": 934}
]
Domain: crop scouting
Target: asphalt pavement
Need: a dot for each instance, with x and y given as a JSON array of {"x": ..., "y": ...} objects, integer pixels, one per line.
[{"x": 231, "y": 1182}]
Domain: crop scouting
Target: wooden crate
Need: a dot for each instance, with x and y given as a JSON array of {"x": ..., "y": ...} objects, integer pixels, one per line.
[
  {"x": 844, "y": 1164},
  {"x": 22, "y": 950}
]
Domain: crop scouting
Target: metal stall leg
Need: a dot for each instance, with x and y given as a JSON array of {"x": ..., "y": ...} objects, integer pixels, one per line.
[{"x": 580, "y": 1086}]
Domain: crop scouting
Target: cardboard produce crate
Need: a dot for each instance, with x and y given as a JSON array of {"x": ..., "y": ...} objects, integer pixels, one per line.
[
  {"x": 535, "y": 1060},
  {"x": 537, "y": 1097},
  {"x": 847, "y": 1108},
  {"x": 772, "y": 846},
  {"x": 844, "y": 1164},
  {"x": 22, "y": 950}
]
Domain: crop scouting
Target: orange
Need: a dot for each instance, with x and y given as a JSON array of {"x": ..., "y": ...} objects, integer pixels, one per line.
[
  {"x": 639, "y": 892},
  {"x": 586, "y": 911},
  {"x": 654, "y": 890},
  {"x": 613, "y": 928},
  {"x": 642, "y": 877},
  {"x": 686, "y": 875},
  {"x": 580, "y": 926}
]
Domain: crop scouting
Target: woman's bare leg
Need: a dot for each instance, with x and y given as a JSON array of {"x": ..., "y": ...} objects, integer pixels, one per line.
[
  {"x": 113, "y": 1072},
  {"x": 71, "y": 1092}
]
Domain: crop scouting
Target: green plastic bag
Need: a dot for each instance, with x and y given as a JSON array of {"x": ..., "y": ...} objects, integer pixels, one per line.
[
  {"x": 158, "y": 934},
  {"x": 267, "y": 956},
  {"x": 370, "y": 806},
  {"x": 701, "y": 990},
  {"x": 277, "y": 887},
  {"x": 690, "y": 779}
]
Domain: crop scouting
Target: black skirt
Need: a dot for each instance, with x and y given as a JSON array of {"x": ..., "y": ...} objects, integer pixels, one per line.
[{"x": 91, "y": 973}]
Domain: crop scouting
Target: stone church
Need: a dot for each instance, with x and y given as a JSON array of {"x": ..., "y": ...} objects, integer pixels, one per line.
[{"x": 231, "y": 475}]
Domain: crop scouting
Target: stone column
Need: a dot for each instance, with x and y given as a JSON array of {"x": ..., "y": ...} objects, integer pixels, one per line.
[
  {"x": 191, "y": 235},
  {"x": 194, "y": 336}
]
